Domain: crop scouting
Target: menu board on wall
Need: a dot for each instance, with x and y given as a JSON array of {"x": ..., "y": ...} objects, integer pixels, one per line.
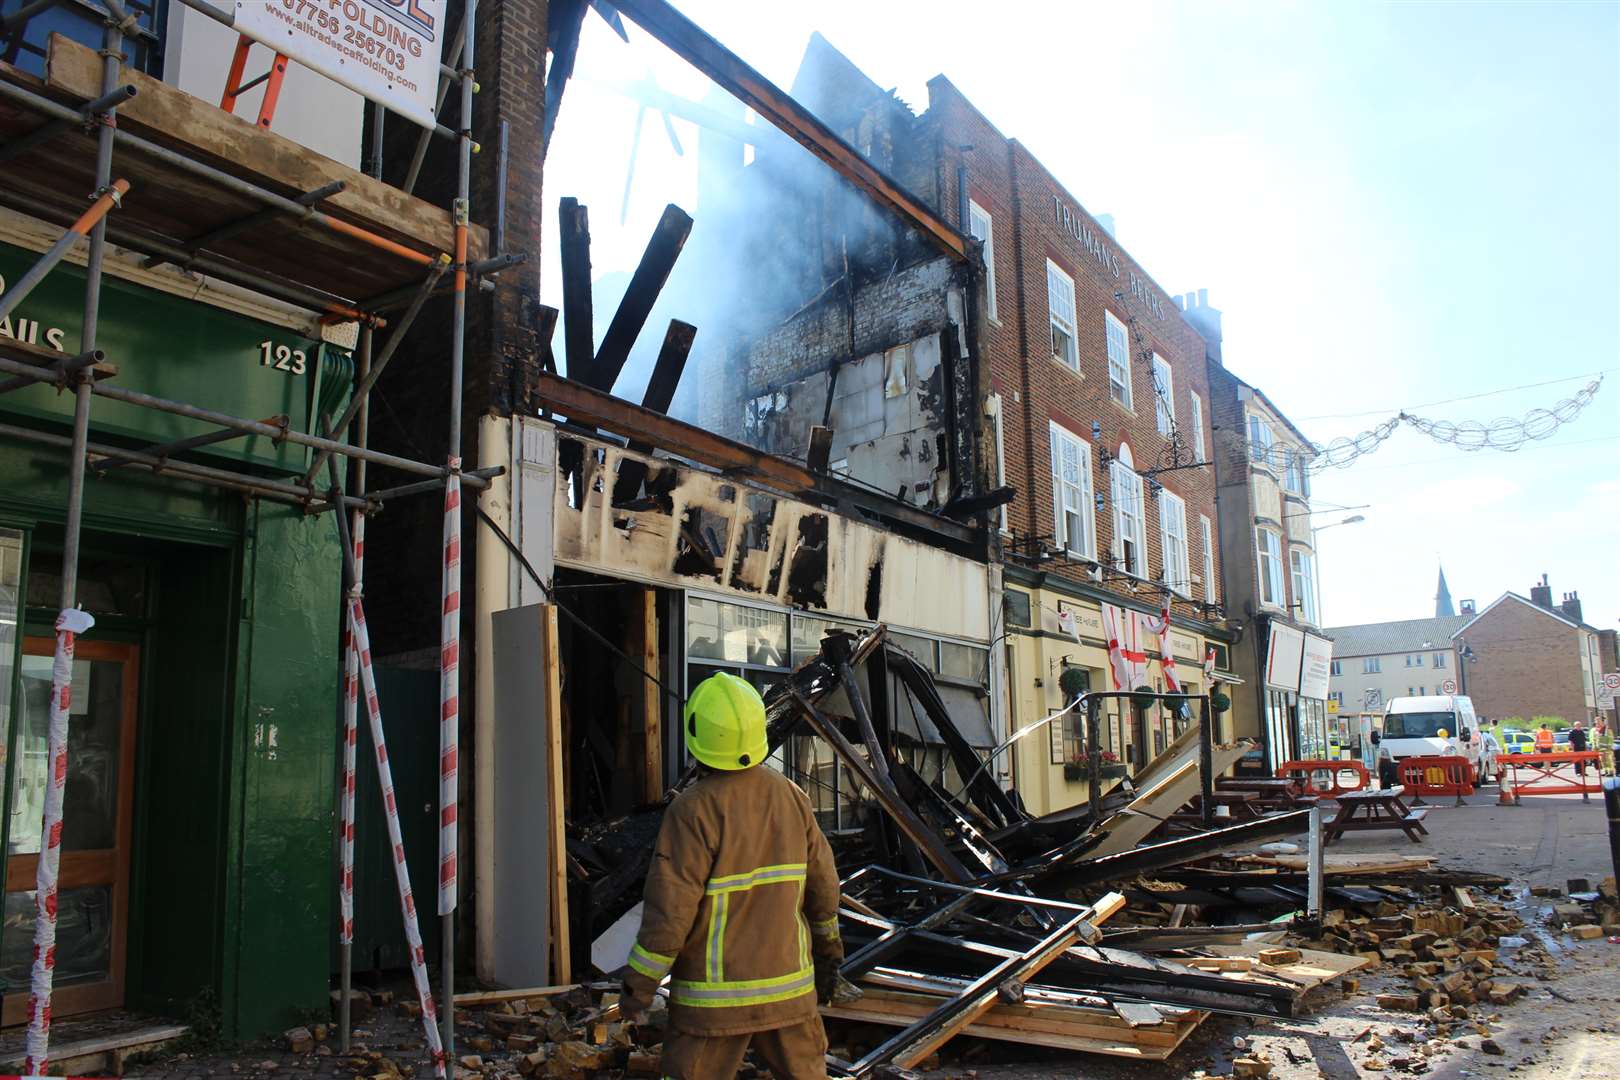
[
  {"x": 1283, "y": 652},
  {"x": 1315, "y": 667}
]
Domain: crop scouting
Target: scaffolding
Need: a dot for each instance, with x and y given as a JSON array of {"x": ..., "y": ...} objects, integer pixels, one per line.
[{"x": 346, "y": 272}]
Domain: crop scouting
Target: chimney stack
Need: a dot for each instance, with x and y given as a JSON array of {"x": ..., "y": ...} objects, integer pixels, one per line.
[
  {"x": 1572, "y": 607},
  {"x": 1541, "y": 594},
  {"x": 1206, "y": 320}
]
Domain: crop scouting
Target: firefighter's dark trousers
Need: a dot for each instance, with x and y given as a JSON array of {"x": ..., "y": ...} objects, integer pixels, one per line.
[{"x": 791, "y": 1053}]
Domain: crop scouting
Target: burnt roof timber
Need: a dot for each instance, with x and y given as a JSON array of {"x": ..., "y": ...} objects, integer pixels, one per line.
[
  {"x": 584, "y": 405},
  {"x": 688, "y": 41}
]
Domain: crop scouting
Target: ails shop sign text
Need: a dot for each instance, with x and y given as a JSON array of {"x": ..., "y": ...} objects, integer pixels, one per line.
[{"x": 1091, "y": 239}]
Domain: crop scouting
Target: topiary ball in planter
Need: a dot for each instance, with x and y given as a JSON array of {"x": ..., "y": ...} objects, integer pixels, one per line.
[
  {"x": 1219, "y": 701},
  {"x": 1142, "y": 697},
  {"x": 1072, "y": 682}
]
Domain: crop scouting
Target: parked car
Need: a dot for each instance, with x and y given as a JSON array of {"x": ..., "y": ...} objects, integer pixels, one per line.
[
  {"x": 1561, "y": 742},
  {"x": 1435, "y": 725},
  {"x": 1518, "y": 742},
  {"x": 1488, "y": 751}
]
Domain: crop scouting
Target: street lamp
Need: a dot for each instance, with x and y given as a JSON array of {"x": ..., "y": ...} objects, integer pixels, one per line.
[
  {"x": 1316, "y": 566},
  {"x": 1353, "y": 519}
]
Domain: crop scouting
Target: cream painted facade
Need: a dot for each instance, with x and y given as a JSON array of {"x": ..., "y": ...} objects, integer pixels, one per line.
[{"x": 1036, "y": 657}]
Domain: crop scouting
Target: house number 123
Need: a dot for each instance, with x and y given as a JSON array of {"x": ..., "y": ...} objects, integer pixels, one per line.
[{"x": 281, "y": 357}]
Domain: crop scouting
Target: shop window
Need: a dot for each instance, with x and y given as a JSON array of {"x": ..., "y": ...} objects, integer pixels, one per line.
[
  {"x": 735, "y": 633},
  {"x": 967, "y": 662}
]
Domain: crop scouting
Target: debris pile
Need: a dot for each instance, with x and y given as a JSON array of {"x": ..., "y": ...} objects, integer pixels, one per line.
[{"x": 1112, "y": 928}]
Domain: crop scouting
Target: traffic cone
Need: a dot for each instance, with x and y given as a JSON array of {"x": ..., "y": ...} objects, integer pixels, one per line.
[{"x": 1505, "y": 784}]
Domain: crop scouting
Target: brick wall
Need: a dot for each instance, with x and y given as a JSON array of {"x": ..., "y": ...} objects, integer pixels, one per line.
[
  {"x": 1018, "y": 192},
  {"x": 408, "y": 415},
  {"x": 1528, "y": 664}
]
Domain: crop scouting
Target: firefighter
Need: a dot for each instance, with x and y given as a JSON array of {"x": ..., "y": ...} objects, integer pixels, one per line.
[{"x": 740, "y": 906}]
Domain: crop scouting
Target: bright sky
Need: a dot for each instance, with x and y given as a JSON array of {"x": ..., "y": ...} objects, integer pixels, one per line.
[{"x": 1393, "y": 204}]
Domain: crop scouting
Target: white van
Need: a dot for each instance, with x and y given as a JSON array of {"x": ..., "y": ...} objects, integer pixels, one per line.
[{"x": 1439, "y": 725}]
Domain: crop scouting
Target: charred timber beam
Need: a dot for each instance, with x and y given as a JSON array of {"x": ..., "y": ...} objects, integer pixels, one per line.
[
  {"x": 671, "y": 363},
  {"x": 1126, "y": 976},
  {"x": 592, "y": 408},
  {"x": 566, "y": 19},
  {"x": 697, "y": 48},
  {"x": 574, "y": 238},
  {"x": 660, "y": 393},
  {"x": 986, "y": 794},
  {"x": 929, "y": 842},
  {"x": 916, "y": 1042},
  {"x": 645, "y": 285},
  {"x": 1172, "y": 852}
]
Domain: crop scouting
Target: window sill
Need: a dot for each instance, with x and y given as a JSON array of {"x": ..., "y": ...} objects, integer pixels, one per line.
[
  {"x": 1116, "y": 403},
  {"x": 1064, "y": 365}
]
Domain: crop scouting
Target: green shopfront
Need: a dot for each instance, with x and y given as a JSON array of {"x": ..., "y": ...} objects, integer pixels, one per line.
[{"x": 197, "y": 870}]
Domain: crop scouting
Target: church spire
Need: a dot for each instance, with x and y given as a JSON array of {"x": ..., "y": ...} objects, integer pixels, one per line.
[{"x": 1442, "y": 598}]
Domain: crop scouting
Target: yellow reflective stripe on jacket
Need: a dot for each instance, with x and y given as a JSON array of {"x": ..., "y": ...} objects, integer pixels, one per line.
[
  {"x": 651, "y": 964},
  {"x": 765, "y": 875},
  {"x": 710, "y": 995},
  {"x": 714, "y": 956},
  {"x": 826, "y": 928}
]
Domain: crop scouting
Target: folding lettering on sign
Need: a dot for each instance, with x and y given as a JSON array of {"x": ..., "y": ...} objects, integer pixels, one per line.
[
  {"x": 69, "y": 625},
  {"x": 1160, "y": 625},
  {"x": 385, "y": 50},
  {"x": 450, "y": 689}
]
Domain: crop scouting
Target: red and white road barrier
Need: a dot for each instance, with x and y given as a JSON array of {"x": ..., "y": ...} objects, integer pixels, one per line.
[
  {"x": 402, "y": 874},
  {"x": 351, "y": 704},
  {"x": 69, "y": 625},
  {"x": 450, "y": 688}
]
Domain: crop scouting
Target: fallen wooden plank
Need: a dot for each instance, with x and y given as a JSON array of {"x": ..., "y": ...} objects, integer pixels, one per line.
[
  {"x": 1334, "y": 863},
  {"x": 1084, "y": 1030},
  {"x": 946, "y": 1020},
  {"x": 1313, "y": 968},
  {"x": 1168, "y": 784},
  {"x": 496, "y": 997}
]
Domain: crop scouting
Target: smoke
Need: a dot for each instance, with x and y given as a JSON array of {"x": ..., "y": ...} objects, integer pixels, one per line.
[{"x": 776, "y": 232}]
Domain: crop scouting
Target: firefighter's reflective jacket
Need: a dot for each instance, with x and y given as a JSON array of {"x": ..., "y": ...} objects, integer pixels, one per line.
[{"x": 741, "y": 895}]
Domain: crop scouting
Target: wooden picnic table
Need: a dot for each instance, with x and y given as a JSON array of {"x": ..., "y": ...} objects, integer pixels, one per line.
[
  {"x": 1380, "y": 809},
  {"x": 1276, "y": 793},
  {"x": 1243, "y": 806}
]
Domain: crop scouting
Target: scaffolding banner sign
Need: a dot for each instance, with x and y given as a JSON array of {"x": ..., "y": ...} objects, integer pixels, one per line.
[{"x": 385, "y": 50}]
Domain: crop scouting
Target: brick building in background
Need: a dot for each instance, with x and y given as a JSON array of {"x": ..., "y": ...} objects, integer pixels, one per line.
[
  {"x": 1097, "y": 413},
  {"x": 1532, "y": 658},
  {"x": 1269, "y": 565},
  {"x": 1064, "y": 373}
]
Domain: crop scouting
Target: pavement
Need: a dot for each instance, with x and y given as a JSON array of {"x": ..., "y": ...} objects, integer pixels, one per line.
[{"x": 1567, "y": 1027}]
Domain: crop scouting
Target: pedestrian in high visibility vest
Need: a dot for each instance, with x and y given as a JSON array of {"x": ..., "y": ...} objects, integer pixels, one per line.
[
  {"x": 740, "y": 906},
  {"x": 1544, "y": 740},
  {"x": 1605, "y": 746}
]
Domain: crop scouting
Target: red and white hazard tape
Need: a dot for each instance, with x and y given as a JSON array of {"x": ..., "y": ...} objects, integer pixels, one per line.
[
  {"x": 351, "y": 690},
  {"x": 402, "y": 875},
  {"x": 450, "y": 688},
  {"x": 69, "y": 625}
]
